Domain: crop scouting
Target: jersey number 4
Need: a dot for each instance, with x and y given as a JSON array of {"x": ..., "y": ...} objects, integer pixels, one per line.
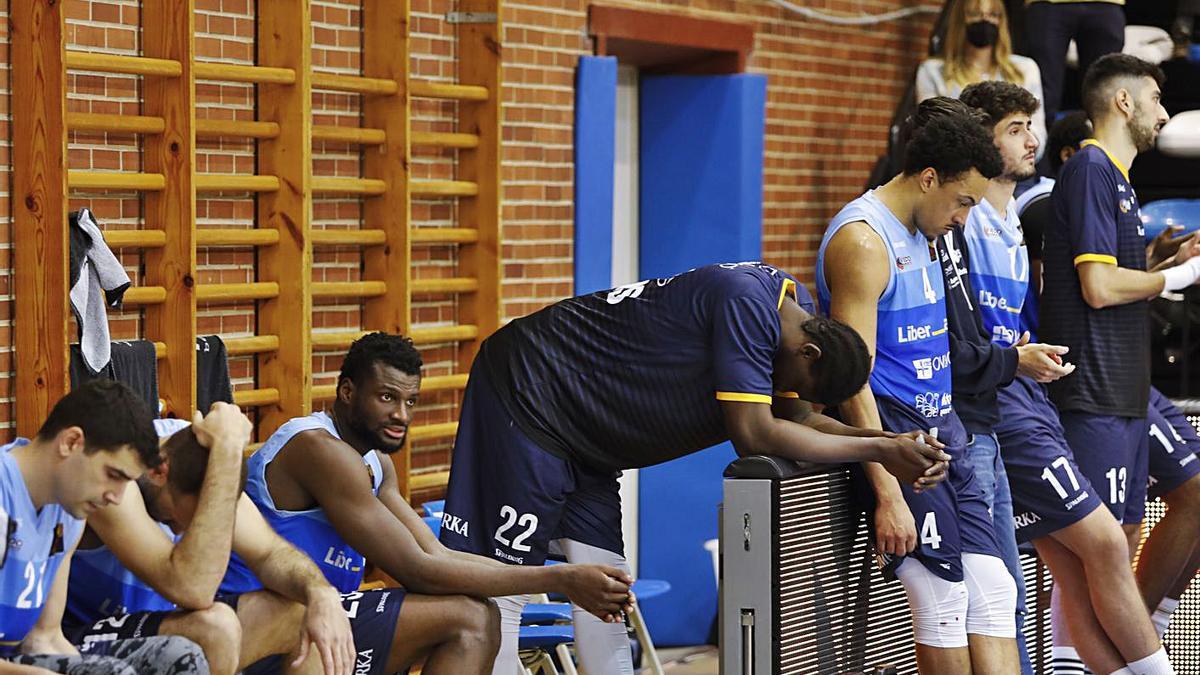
[{"x": 929, "y": 531}]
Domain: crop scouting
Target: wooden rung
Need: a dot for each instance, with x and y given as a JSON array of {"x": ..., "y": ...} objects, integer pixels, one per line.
[
  {"x": 135, "y": 238},
  {"x": 114, "y": 180},
  {"x": 232, "y": 72},
  {"x": 443, "y": 188},
  {"x": 423, "y": 336},
  {"x": 255, "y": 344},
  {"x": 251, "y": 449},
  {"x": 461, "y": 92},
  {"x": 160, "y": 350},
  {"x": 235, "y": 128},
  {"x": 145, "y": 295},
  {"x": 444, "y": 140},
  {"x": 348, "y": 237},
  {"x": 114, "y": 63},
  {"x": 335, "y": 341},
  {"x": 451, "y": 285},
  {"x": 323, "y": 392},
  {"x": 428, "y": 431},
  {"x": 233, "y": 182},
  {"x": 254, "y": 290},
  {"x": 348, "y": 186},
  {"x": 354, "y": 83},
  {"x": 444, "y": 382},
  {"x": 256, "y": 397},
  {"x": 235, "y": 237},
  {"x": 457, "y": 235},
  {"x": 326, "y": 132},
  {"x": 348, "y": 289},
  {"x": 131, "y": 124},
  {"x": 428, "y": 481}
]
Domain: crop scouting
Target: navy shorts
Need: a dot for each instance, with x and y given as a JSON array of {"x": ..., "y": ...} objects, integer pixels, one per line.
[
  {"x": 508, "y": 498},
  {"x": 1173, "y": 444},
  {"x": 951, "y": 518},
  {"x": 1049, "y": 490},
  {"x": 373, "y": 616},
  {"x": 1111, "y": 452}
]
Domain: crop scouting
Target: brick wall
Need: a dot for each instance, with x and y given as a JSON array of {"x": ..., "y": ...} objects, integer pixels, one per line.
[{"x": 831, "y": 92}]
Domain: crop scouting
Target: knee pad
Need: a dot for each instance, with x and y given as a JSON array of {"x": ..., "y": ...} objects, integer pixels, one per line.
[
  {"x": 991, "y": 596},
  {"x": 939, "y": 607}
]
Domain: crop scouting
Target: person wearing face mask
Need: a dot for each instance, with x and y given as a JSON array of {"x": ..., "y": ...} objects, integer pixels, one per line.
[{"x": 978, "y": 47}]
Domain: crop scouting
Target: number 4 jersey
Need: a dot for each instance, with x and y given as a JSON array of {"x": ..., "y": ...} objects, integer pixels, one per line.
[{"x": 33, "y": 546}]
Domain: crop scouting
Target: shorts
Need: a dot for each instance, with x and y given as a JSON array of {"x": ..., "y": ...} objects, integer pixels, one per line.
[
  {"x": 1112, "y": 453},
  {"x": 508, "y": 498},
  {"x": 1049, "y": 490},
  {"x": 1173, "y": 443},
  {"x": 373, "y": 616},
  {"x": 163, "y": 655},
  {"x": 951, "y": 518}
]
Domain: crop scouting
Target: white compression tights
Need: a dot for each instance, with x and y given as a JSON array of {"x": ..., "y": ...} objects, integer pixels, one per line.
[{"x": 602, "y": 648}]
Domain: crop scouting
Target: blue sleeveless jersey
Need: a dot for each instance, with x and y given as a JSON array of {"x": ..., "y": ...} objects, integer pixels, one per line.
[
  {"x": 32, "y": 546},
  {"x": 999, "y": 269},
  {"x": 912, "y": 348},
  {"x": 101, "y": 586},
  {"x": 309, "y": 530}
]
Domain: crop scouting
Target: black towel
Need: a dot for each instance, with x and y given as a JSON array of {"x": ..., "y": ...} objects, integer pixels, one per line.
[
  {"x": 133, "y": 362},
  {"x": 212, "y": 373}
]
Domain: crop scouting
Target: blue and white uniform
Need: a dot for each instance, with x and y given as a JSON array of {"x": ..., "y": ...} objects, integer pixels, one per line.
[
  {"x": 33, "y": 543},
  {"x": 101, "y": 586},
  {"x": 911, "y": 381}
]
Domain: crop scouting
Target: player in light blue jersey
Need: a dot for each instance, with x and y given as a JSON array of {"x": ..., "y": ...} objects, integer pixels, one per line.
[
  {"x": 96, "y": 440},
  {"x": 877, "y": 271},
  {"x": 137, "y": 573}
]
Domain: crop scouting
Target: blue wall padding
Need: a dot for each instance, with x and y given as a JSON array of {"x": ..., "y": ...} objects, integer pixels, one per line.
[
  {"x": 701, "y": 162},
  {"x": 595, "y": 159}
]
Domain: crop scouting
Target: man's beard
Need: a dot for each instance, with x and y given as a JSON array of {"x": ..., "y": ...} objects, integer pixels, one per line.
[
  {"x": 1019, "y": 174},
  {"x": 1143, "y": 136},
  {"x": 375, "y": 438}
]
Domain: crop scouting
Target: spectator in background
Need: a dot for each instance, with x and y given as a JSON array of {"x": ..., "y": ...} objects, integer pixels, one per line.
[
  {"x": 1097, "y": 27},
  {"x": 978, "y": 47}
]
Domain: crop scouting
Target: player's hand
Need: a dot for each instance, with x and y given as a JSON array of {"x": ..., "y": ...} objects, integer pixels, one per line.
[
  {"x": 223, "y": 428},
  {"x": 599, "y": 589},
  {"x": 327, "y": 630},
  {"x": 895, "y": 529},
  {"x": 914, "y": 458},
  {"x": 1168, "y": 246},
  {"x": 1041, "y": 362}
]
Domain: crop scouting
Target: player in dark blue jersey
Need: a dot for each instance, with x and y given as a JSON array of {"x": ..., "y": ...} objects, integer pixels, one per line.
[
  {"x": 559, "y": 402},
  {"x": 878, "y": 271},
  {"x": 96, "y": 440},
  {"x": 1096, "y": 288}
]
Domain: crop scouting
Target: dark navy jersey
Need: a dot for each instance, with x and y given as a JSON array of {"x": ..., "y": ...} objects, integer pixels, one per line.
[
  {"x": 1096, "y": 219},
  {"x": 33, "y": 544},
  {"x": 633, "y": 376}
]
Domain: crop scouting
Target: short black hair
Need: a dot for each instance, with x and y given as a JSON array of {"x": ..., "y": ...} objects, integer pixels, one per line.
[
  {"x": 1068, "y": 132},
  {"x": 111, "y": 416},
  {"x": 845, "y": 363},
  {"x": 999, "y": 99},
  {"x": 396, "y": 351},
  {"x": 187, "y": 462},
  {"x": 933, "y": 108},
  {"x": 1106, "y": 70},
  {"x": 952, "y": 145}
]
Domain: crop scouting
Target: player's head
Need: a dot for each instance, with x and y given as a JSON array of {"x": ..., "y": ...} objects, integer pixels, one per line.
[
  {"x": 980, "y": 24},
  {"x": 822, "y": 360},
  {"x": 949, "y": 158},
  {"x": 104, "y": 438},
  {"x": 1009, "y": 109},
  {"x": 1126, "y": 88},
  {"x": 378, "y": 388},
  {"x": 1065, "y": 136},
  {"x": 172, "y": 490}
]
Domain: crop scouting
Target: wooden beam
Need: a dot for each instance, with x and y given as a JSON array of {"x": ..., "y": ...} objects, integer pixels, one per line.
[
  {"x": 257, "y": 290},
  {"x": 349, "y": 237},
  {"x": 444, "y": 139},
  {"x": 128, "y": 65},
  {"x": 124, "y": 124},
  {"x": 432, "y": 431},
  {"x": 458, "y": 92},
  {"x": 145, "y": 295},
  {"x": 353, "y": 83},
  {"x": 444, "y": 188},
  {"x": 235, "y": 237},
  {"x": 424, "y": 336},
  {"x": 167, "y": 35},
  {"x": 115, "y": 180},
  {"x": 236, "y": 129},
  {"x": 285, "y": 41},
  {"x": 328, "y": 132},
  {"x": 429, "y": 480},
  {"x": 348, "y": 289},
  {"x": 135, "y": 238},
  {"x": 254, "y": 398},
  {"x": 232, "y": 182},
  {"x": 437, "y": 235},
  {"x": 451, "y": 285},
  {"x": 429, "y": 384},
  {"x": 232, "y": 72},
  {"x": 39, "y": 206},
  {"x": 335, "y": 341},
  {"x": 369, "y": 187},
  {"x": 256, "y": 344}
]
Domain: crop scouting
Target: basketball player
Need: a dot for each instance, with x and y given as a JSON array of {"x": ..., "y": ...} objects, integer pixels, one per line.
[
  {"x": 877, "y": 270},
  {"x": 96, "y": 440},
  {"x": 561, "y": 401}
]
